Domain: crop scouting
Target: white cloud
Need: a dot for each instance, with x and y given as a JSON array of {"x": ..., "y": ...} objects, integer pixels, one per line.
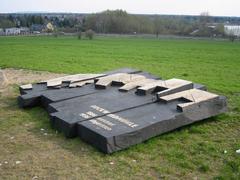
[{"x": 190, "y": 7}]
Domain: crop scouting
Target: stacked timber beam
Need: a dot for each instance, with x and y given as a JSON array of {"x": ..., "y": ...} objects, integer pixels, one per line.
[{"x": 117, "y": 109}]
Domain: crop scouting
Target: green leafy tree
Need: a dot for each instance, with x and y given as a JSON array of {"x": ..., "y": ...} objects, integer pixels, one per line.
[{"x": 5, "y": 23}]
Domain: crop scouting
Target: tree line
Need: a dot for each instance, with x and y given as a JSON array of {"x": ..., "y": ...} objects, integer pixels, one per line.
[{"x": 121, "y": 22}]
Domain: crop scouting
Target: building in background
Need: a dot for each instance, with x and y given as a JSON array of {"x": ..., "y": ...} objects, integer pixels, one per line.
[
  {"x": 232, "y": 30},
  {"x": 12, "y": 31},
  {"x": 2, "y": 32},
  {"x": 36, "y": 28},
  {"x": 24, "y": 30}
]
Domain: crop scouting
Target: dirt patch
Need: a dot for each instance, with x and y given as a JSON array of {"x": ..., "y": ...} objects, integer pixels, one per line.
[
  {"x": 22, "y": 76},
  {"x": 3, "y": 79}
]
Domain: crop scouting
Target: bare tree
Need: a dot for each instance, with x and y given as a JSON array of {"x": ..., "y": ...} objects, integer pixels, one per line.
[
  {"x": 89, "y": 34},
  {"x": 231, "y": 35},
  {"x": 79, "y": 35},
  {"x": 203, "y": 24},
  {"x": 158, "y": 25},
  {"x": 205, "y": 18}
]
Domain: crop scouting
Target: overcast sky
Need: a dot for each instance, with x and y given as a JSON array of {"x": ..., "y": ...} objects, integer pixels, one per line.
[{"x": 180, "y": 7}]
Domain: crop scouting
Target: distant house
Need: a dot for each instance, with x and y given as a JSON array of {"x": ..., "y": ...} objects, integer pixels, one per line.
[
  {"x": 49, "y": 27},
  {"x": 2, "y": 32},
  {"x": 232, "y": 30},
  {"x": 24, "y": 30},
  {"x": 12, "y": 31},
  {"x": 37, "y": 28}
]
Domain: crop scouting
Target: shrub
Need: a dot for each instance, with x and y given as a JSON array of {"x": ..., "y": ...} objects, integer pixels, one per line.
[
  {"x": 79, "y": 35},
  {"x": 55, "y": 33},
  {"x": 89, "y": 34},
  {"x": 232, "y": 37}
]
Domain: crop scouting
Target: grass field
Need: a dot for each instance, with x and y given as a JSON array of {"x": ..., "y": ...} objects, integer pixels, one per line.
[{"x": 192, "y": 152}]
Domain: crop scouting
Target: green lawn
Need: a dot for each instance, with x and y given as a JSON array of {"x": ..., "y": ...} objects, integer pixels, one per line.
[{"x": 190, "y": 152}]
